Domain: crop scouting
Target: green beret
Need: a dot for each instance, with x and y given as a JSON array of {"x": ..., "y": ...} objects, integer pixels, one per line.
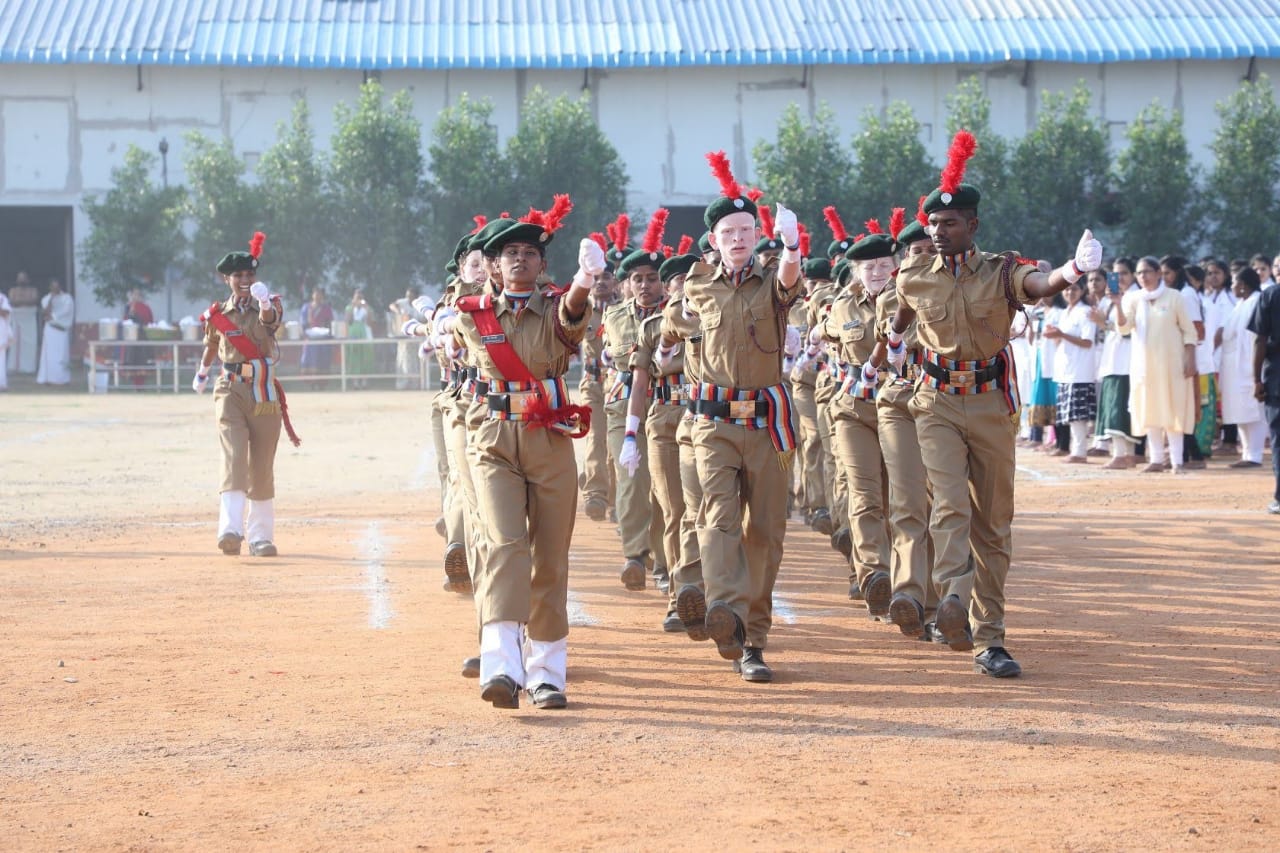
[
  {"x": 966, "y": 197},
  {"x": 487, "y": 233},
  {"x": 518, "y": 232},
  {"x": 724, "y": 206},
  {"x": 451, "y": 268},
  {"x": 237, "y": 262},
  {"x": 840, "y": 270},
  {"x": 463, "y": 247},
  {"x": 768, "y": 244},
  {"x": 704, "y": 243},
  {"x": 677, "y": 265},
  {"x": 818, "y": 269},
  {"x": 913, "y": 233},
  {"x": 871, "y": 247},
  {"x": 640, "y": 258},
  {"x": 839, "y": 247},
  {"x": 616, "y": 256}
]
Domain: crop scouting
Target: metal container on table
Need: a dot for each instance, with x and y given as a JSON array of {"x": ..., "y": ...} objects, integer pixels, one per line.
[
  {"x": 191, "y": 332},
  {"x": 108, "y": 329},
  {"x": 129, "y": 330},
  {"x": 293, "y": 330},
  {"x": 339, "y": 328}
]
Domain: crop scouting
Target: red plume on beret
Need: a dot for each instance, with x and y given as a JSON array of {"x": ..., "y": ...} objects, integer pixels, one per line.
[
  {"x": 504, "y": 215},
  {"x": 481, "y": 221},
  {"x": 873, "y": 226},
  {"x": 667, "y": 250},
  {"x": 686, "y": 243},
  {"x": 550, "y": 220},
  {"x": 896, "y": 221},
  {"x": 833, "y": 220},
  {"x": 599, "y": 240},
  {"x": 962, "y": 147},
  {"x": 653, "y": 234},
  {"x": 755, "y": 194},
  {"x": 620, "y": 231},
  {"x": 729, "y": 186},
  {"x": 805, "y": 242},
  {"x": 255, "y": 245},
  {"x": 766, "y": 221},
  {"x": 857, "y": 237},
  {"x": 921, "y": 216}
]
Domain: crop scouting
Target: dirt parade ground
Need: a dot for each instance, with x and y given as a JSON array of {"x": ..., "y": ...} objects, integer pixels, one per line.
[{"x": 157, "y": 695}]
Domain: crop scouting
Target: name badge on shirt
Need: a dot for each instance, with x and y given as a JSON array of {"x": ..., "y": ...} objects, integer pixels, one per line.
[
  {"x": 853, "y": 324},
  {"x": 237, "y": 333},
  {"x": 493, "y": 339}
]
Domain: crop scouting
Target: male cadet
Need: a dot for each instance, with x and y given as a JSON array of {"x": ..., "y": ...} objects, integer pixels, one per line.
[
  {"x": 621, "y": 331},
  {"x": 597, "y": 479},
  {"x": 966, "y": 403},
  {"x": 525, "y": 473},
  {"x": 1265, "y": 323},
  {"x": 248, "y": 401},
  {"x": 850, "y": 327},
  {"x": 813, "y": 493},
  {"x": 743, "y": 436}
]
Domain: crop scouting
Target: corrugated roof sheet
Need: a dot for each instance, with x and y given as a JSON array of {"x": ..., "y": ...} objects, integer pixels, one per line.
[{"x": 446, "y": 34}]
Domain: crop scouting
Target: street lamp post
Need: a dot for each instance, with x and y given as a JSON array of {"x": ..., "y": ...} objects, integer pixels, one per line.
[{"x": 164, "y": 179}]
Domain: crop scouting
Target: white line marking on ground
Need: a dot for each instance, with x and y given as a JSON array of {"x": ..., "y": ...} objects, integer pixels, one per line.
[
  {"x": 372, "y": 550},
  {"x": 426, "y": 467},
  {"x": 578, "y": 614},
  {"x": 1039, "y": 476},
  {"x": 782, "y": 610},
  {"x": 32, "y": 437}
]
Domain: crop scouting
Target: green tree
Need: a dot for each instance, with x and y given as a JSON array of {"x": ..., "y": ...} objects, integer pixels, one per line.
[
  {"x": 291, "y": 183},
  {"x": 969, "y": 109},
  {"x": 892, "y": 167},
  {"x": 559, "y": 148},
  {"x": 1242, "y": 187},
  {"x": 375, "y": 181},
  {"x": 806, "y": 167},
  {"x": 1058, "y": 177},
  {"x": 135, "y": 231},
  {"x": 1155, "y": 183},
  {"x": 224, "y": 209},
  {"x": 470, "y": 175}
]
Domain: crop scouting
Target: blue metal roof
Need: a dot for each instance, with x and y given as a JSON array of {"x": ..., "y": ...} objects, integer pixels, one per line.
[{"x": 453, "y": 34}]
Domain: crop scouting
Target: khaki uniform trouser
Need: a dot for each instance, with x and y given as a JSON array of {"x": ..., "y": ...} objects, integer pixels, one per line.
[
  {"x": 967, "y": 443},
  {"x": 688, "y": 569},
  {"x": 857, "y": 443},
  {"x": 462, "y": 476},
  {"x": 664, "y": 469},
  {"x": 453, "y": 505},
  {"x": 248, "y": 441},
  {"x": 597, "y": 474},
  {"x": 742, "y": 520},
  {"x": 836, "y": 485},
  {"x": 813, "y": 491},
  {"x": 527, "y": 486},
  {"x": 634, "y": 502}
]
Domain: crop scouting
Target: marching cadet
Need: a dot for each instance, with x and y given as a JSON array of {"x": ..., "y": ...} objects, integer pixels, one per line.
[
  {"x": 669, "y": 392},
  {"x": 813, "y": 494},
  {"x": 850, "y": 327},
  {"x": 248, "y": 401},
  {"x": 966, "y": 402},
  {"x": 634, "y": 498},
  {"x": 827, "y": 382},
  {"x": 525, "y": 473},
  {"x": 743, "y": 436},
  {"x": 597, "y": 480}
]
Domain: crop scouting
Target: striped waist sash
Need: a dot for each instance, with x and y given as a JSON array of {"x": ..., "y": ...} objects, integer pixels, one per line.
[
  {"x": 260, "y": 374},
  {"x": 975, "y": 376},
  {"x": 754, "y": 408}
]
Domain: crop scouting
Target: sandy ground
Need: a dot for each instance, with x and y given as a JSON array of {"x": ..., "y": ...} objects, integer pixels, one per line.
[{"x": 157, "y": 695}]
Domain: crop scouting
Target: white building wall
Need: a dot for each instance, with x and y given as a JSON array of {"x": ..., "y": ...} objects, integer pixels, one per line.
[{"x": 64, "y": 128}]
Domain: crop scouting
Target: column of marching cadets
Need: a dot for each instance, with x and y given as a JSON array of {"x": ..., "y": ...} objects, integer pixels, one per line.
[{"x": 863, "y": 384}]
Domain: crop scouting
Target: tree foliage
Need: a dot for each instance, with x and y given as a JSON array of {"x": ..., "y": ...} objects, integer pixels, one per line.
[
  {"x": 375, "y": 183},
  {"x": 223, "y": 208},
  {"x": 469, "y": 173},
  {"x": 296, "y": 211},
  {"x": 135, "y": 231},
  {"x": 1155, "y": 186},
  {"x": 806, "y": 167},
  {"x": 1242, "y": 188},
  {"x": 892, "y": 167},
  {"x": 1059, "y": 177},
  {"x": 969, "y": 109},
  {"x": 559, "y": 148}
]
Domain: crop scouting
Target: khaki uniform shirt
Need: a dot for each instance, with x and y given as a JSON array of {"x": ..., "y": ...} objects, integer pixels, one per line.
[
  {"x": 263, "y": 335},
  {"x": 966, "y": 317},
  {"x": 688, "y": 330},
  {"x": 543, "y": 335},
  {"x": 851, "y": 326},
  {"x": 742, "y": 325}
]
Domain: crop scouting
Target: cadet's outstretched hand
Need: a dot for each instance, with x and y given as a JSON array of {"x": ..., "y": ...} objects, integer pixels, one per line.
[
  {"x": 786, "y": 226},
  {"x": 199, "y": 381}
]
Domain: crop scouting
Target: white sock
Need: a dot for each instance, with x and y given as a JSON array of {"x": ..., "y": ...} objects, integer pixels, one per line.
[
  {"x": 546, "y": 663},
  {"x": 262, "y": 521},
  {"x": 500, "y": 652},
  {"x": 231, "y": 513}
]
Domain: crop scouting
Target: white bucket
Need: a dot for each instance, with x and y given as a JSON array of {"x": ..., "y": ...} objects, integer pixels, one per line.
[
  {"x": 108, "y": 330},
  {"x": 339, "y": 328},
  {"x": 191, "y": 333},
  {"x": 293, "y": 330},
  {"x": 129, "y": 330}
]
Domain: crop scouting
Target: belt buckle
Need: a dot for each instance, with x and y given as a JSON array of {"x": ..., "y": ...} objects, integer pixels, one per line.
[
  {"x": 960, "y": 378},
  {"x": 742, "y": 409},
  {"x": 520, "y": 402}
]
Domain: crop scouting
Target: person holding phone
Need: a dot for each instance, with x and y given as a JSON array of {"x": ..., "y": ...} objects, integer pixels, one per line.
[{"x": 1113, "y": 395}]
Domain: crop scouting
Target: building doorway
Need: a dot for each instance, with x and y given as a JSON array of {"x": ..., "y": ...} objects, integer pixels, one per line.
[{"x": 38, "y": 241}]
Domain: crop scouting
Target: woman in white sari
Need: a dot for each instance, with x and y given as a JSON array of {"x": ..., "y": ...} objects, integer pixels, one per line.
[
  {"x": 58, "y": 310},
  {"x": 1236, "y": 374},
  {"x": 1162, "y": 365}
]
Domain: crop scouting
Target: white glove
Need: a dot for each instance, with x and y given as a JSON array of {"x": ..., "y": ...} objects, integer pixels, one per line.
[
  {"x": 791, "y": 346},
  {"x": 629, "y": 458},
  {"x": 665, "y": 354},
  {"x": 815, "y": 337},
  {"x": 426, "y": 349},
  {"x": 897, "y": 357},
  {"x": 410, "y": 328},
  {"x": 424, "y": 305},
  {"x": 868, "y": 379},
  {"x": 259, "y": 291},
  {"x": 444, "y": 322},
  {"x": 786, "y": 226},
  {"x": 199, "y": 381},
  {"x": 1088, "y": 253},
  {"x": 590, "y": 257}
]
